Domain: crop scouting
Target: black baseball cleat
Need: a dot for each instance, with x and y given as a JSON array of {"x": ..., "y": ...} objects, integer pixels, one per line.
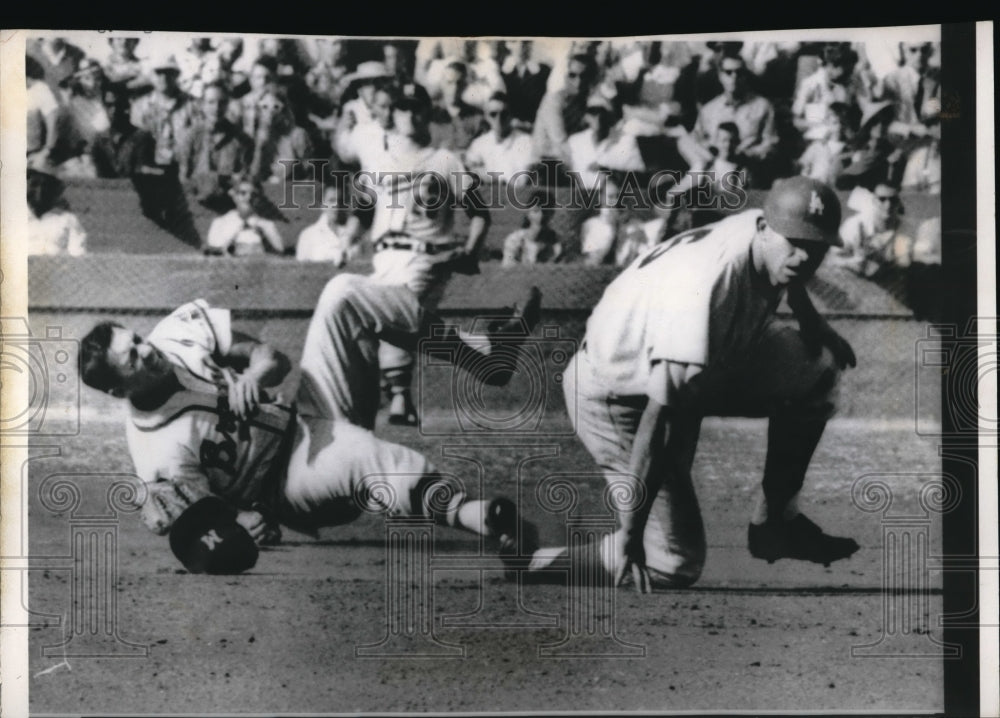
[
  {"x": 506, "y": 337},
  {"x": 502, "y": 523},
  {"x": 798, "y": 538}
]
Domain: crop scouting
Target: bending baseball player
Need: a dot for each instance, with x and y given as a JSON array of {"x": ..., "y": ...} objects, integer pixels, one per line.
[
  {"x": 201, "y": 421},
  {"x": 688, "y": 331}
]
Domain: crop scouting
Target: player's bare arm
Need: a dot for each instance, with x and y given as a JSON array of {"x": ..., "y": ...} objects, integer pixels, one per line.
[
  {"x": 647, "y": 468},
  {"x": 258, "y": 365},
  {"x": 815, "y": 330}
]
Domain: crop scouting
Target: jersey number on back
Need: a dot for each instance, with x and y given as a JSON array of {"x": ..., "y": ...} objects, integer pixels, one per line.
[{"x": 691, "y": 235}]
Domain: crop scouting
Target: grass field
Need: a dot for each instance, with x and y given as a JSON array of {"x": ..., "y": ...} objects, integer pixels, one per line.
[{"x": 283, "y": 638}]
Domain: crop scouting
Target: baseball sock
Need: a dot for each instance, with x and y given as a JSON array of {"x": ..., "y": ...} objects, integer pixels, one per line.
[{"x": 791, "y": 441}]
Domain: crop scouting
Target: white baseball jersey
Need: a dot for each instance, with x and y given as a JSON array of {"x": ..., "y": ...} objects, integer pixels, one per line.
[
  {"x": 693, "y": 301},
  {"x": 417, "y": 198},
  {"x": 194, "y": 436},
  {"x": 417, "y": 204}
]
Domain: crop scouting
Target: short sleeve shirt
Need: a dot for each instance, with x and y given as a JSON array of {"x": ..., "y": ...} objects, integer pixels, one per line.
[
  {"x": 194, "y": 436},
  {"x": 694, "y": 299}
]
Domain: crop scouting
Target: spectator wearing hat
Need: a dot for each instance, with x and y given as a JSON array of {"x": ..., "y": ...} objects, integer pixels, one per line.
[
  {"x": 52, "y": 228},
  {"x": 85, "y": 115},
  {"x": 123, "y": 150},
  {"x": 502, "y": 151},
  {"x": 215, "y": 150},
  {"x": 454, "y": 122},
  {"x": 42, "y": 115},
  {"x": 243, "y": 231},
  {"x": 281, "y": 148},
  {"x": 525, "y": 81},
  {"x": 367, "y": 144},
  {"x": 122, "y": 64},
  {"x": 362, "y": 84},
  {"x": 562, "y": 112},
  {"x": 751, "y": 113},
  {"x": 167, "y": 112}
]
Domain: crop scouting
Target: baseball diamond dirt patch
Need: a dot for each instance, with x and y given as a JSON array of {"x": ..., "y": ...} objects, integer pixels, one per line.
[{"x": 289, "y": 635}]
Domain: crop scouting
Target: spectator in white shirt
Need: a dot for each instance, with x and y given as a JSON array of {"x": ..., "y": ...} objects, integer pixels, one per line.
[
  {"x": 52, "y": 228},
  {"x": 601, "y": 146},
  {"x": 501, "y": 152},
  {"x": 327, "y": 240},
  {"x": 242, "y": 231},
  {"x": 42, "y": 114}
]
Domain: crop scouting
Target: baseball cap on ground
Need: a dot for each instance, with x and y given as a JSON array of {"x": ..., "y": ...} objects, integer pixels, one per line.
[
  {"x": 207, "y": 539},
  {"x": 805, "y": 209}
]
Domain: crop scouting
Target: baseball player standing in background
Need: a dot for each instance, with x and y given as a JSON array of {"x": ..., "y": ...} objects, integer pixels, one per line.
[
  {"x": 202, "y": 423},
  {"x": 686, "y": 331},
  {"x": 418, "y": 189}
]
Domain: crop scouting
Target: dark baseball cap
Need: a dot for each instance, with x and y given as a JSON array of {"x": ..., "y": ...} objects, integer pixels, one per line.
[
  {"x": 800, "y": 208},
  {"x": 207, "y": 539}
]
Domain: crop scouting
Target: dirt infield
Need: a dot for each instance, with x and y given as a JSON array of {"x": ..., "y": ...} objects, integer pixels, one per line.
[
  {"x": 289, "y": 636},
  {"x": 284, "y": 638}
]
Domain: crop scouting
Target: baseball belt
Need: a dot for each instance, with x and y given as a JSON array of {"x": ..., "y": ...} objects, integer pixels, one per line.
[{"x": 401, "y": 241}]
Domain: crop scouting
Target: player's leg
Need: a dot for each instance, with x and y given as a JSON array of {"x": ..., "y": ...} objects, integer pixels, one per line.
[
  {"x": 338, "y": 471},
  {"x": 340, "y": 370},
  {"x": 397, "y": 377},
  {"x": 675, "y": 536},
  {"x": 797, "y": 391}
]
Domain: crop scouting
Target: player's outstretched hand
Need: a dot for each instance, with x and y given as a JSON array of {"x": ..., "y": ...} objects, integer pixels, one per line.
[
  {"x": 824, "y": 335},
  {"x": 244, "y": 393},
  {"x": 630, "y": 555},
  {"x": 254, "y": 523},
  {"x": 843, "y": 353}
]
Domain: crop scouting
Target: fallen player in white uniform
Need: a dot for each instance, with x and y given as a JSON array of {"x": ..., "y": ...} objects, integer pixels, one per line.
[{"x": 201, "y": 422}]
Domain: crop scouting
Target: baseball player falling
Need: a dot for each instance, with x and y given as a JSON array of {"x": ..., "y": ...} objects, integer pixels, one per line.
[
  {"x": 417, "y": 189},
  {"x": 202, "y": 423},
  {"x": 686, "y": 331}
]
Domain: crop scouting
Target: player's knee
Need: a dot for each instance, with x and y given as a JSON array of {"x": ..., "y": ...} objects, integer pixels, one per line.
[
  {"x": 821, "y": 397},
  {"x": 339, "y": 292}
]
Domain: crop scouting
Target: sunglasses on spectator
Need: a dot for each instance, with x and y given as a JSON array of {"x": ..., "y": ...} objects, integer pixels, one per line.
[
  {"x": 730, "y": 71},
  {"x": 915, "y": 50},
  {"x": 574, "y": 75},
  {"x": 496, "y": 113},
  {"x": 272, "y": 106},
  {"x": 887, "y": 197}
]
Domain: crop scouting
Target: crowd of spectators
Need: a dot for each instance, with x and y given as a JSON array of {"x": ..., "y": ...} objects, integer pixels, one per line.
[{"x": 216, "y": 120}]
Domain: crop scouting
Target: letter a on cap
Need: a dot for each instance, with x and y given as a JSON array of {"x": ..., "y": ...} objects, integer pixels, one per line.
[{"x": 815, "y": 204}]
